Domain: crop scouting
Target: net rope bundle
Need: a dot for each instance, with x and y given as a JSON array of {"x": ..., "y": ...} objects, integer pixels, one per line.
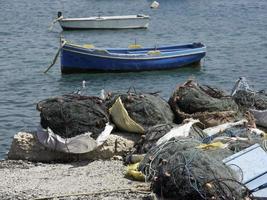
[
  {"x": 71, "y": 115},
  {"x": 177, "y": 169}
]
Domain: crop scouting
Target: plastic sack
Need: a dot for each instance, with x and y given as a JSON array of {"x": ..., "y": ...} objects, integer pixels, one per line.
[
  {"x": 179, "y": 131},
  {"x": 82, "y": 143},
  {"x": 133, "y": 172},
  {"x": 222, "y": 127},
  {"x": 78, "y": 144},
  {"x": 214, "y": 145},
  {"x": 146, "y": 109},
  {"x": 122, "y": 119}
]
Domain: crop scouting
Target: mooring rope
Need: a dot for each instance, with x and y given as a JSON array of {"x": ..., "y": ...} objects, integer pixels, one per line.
[
  {"x": 53, "y": 22},
  {"x": 55, "y": 58}
]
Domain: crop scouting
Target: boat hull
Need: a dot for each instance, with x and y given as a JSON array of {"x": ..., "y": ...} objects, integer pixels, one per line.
[
  {"x": 104, "y": 23},
  {"x": 77, "y": 61}
]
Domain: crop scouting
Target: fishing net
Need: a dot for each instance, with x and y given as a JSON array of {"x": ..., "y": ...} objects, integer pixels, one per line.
[
  {"x": 251, "y": 99},
  {"x": 210, "y": 105},
  {"x": 153, "y": 134},
  {"x": 145, "y": 109},
  {"x": 71, "y": 115},
  {"x": 237, "y": 138},
  {"x": 177, "y": 169},
  {"x": 246, "y": 97},
  {"x": 151, "y": 137}
]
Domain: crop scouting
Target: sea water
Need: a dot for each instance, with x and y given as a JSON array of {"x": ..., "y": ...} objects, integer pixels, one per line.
[{"x": 235, "y": 33}]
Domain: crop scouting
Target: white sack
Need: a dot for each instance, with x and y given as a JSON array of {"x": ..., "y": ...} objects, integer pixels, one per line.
[
  {"x": 179, "y": 131},
  {"x": 105, "y": 134},
  {"x": 222, "y": 127},
  {"x": 79, "y": 144}
]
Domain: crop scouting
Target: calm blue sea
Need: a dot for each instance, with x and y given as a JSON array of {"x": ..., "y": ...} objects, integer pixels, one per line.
[{"x": 235, "y": 33}]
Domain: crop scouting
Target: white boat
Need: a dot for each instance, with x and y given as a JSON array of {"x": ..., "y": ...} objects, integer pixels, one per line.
[{"x": 104, "y": 22}]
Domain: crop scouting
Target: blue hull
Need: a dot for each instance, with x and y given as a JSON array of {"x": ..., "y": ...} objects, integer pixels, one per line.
[{"x": 78, "y": 59}]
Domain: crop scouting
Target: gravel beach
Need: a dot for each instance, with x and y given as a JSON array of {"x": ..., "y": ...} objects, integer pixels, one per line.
[{"x": 79, "y": 180}]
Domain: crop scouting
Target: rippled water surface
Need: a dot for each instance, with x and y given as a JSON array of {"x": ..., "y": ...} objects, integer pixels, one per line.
[{"x": 235, "y": 33}]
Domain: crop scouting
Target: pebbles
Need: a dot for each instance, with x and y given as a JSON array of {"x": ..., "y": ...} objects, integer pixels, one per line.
[{"x": 26, "y": 180}]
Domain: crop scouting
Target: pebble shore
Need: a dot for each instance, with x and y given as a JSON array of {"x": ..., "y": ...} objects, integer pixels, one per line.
[{"x": 78, "y": 180}]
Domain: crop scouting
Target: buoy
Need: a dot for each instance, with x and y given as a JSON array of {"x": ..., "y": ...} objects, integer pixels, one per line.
[{"x": 154, "y": 5}]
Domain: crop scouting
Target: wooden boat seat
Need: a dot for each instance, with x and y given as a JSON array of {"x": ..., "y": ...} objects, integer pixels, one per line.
[
  {"x": 135, "y": 46},
  {"x": 154, "y": 52},
  {"x": 101, "y": 51},
  {"x": 89, "y": 46}
]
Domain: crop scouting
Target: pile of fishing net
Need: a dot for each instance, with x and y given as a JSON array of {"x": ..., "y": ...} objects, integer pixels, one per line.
[
  {"x": 179, "y": 169},
  {"x": 72, "y": 115},
  {"x": 136, "y": 112},
  {"x": 210, "y": 105},
  {"x": 249, "y": 99},
  {"x": 153, "y": 134}
]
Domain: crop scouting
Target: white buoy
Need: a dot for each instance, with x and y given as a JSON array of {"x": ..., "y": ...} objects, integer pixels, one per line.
[{"x": 154, "y": 4}]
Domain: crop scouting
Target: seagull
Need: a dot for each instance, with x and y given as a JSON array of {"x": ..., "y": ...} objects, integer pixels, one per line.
[
  {"x": 81, "y": 90},
  {"x": 102, "y": 94}
]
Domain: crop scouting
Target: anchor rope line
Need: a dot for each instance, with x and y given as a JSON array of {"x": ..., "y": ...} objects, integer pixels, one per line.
[
  {"x": 55, "y": 58},
  {"x": 53, "y": 22}
]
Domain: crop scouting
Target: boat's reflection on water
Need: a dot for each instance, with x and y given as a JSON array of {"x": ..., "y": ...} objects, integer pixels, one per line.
[{"x": 162, "y": 80}]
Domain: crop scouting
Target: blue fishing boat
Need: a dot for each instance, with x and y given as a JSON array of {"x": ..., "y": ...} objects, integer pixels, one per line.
[{"x": 87, "y": 58}]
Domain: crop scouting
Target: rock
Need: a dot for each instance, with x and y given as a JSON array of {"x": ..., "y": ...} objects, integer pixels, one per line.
[
  {"x": 116, "y": 144},
  {"x": 25, "y": 146},
  {"x": 117, "y": 158}
]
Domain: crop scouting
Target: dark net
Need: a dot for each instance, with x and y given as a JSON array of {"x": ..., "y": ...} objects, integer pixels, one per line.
[
  {"x": 251, "y": 99},
  {"x": 203, "y": 102},
  {"x": 146, "y": 109},
  {"x": 71, "y": 115},
  {"x": 151, "y": 137},
  {"x": 178, "y": 169},
  {"x": 153, "y": 134}
]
